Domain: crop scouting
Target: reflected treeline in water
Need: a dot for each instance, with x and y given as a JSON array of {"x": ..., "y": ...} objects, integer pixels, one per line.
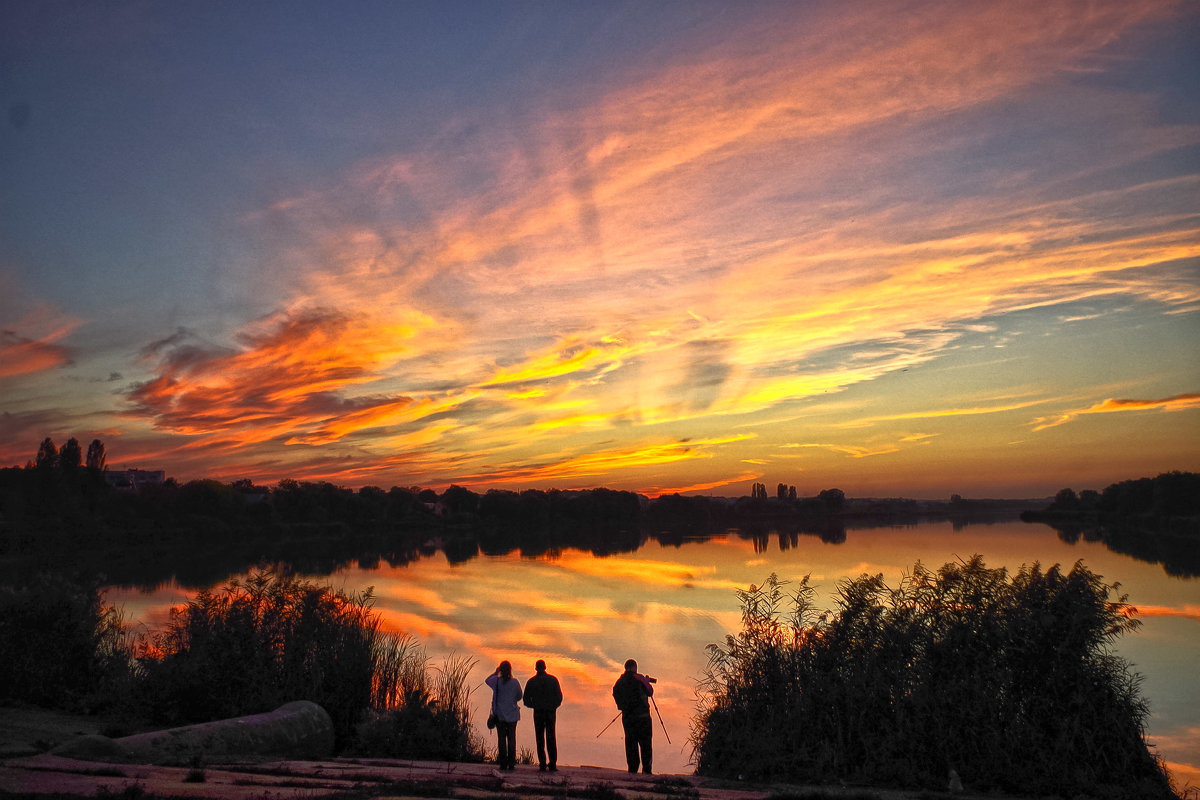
[
  {"x": 1177, "y": 552},
  {"x": 201, "y": 532},
  {"x": 1156, "y": 520}
]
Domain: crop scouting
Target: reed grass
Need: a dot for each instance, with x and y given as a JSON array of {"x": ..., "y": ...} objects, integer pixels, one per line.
[
  {"x": 271, "y": 639},
  {"x": 1009, "y": 680},
  {"x": 427, "y": 714}
]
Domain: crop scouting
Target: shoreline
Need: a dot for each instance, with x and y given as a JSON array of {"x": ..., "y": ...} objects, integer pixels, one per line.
[{"x": 26, "y": 769}]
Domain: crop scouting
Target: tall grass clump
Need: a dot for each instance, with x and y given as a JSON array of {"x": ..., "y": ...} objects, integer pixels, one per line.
[
  {"x": 1008, "y": 680},
  {"x": 418, "y": 711}
]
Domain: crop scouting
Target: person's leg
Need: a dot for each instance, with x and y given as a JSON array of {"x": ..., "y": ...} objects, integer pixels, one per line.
[
  {"x": 539, "y": 736},
  {"x": 507, "y": 734},
  {"x": 551, "y": 740},
  {"x": 631, "y": 742},
  {"x": 646, "y": 740}
]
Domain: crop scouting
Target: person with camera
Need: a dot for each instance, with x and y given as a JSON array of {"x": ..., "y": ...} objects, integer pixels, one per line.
[
  {"x": 632, "y": 693},
  {"x": 506, "y": 693}
]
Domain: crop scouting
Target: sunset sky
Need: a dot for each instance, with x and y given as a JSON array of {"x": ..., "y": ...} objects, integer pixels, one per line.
[{"x": 898, "y": 248}]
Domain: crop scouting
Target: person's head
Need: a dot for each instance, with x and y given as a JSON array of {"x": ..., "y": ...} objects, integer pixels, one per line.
[
  {"x": 505, "y": 669},
  {"x": 631, "y": 666},
  {"x": 540, "y": 666}
]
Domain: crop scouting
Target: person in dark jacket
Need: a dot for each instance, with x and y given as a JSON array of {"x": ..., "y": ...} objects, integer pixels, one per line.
[
  {"x": 632, "y": 693},
  {"x": 544, "y": 695}
]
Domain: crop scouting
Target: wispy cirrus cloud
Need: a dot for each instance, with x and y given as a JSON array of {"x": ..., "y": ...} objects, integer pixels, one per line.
[
  {"x": 32, "y": 337},
  {"x": 1179, "y": 402},
  {"x": 549, "y": 294},
  {"x": 595, "y": 462},
  {"x": 854, "y": 451},
  {"x": 20, "y": 355}
]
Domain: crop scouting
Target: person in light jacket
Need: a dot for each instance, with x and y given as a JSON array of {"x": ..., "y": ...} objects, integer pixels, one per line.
[
  {"x": 506, "y": 693},
  {"x": 544, "y": 695}
]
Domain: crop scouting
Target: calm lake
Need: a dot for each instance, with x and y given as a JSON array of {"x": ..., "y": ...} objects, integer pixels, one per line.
[{"x": 662, "y": 605}]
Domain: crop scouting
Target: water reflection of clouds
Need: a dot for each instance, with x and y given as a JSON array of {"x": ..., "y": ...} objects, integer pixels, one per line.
[
  {"x": 586, "y": 618},
  {"x": 391, "y": 591},
  {"x": 645, "y": 571}
]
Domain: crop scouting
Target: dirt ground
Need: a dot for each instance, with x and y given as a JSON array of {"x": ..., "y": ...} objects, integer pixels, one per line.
[{"x": 27, "y": 769}]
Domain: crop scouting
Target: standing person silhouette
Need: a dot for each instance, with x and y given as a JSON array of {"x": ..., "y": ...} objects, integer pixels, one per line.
[
  {"x": 506, "y": 693},
  {"x": 632, "y": 693},
  {"x": 544, "y": 695}
]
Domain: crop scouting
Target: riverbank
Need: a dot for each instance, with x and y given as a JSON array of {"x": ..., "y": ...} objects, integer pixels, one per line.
[{"x": 27, "y": 770}]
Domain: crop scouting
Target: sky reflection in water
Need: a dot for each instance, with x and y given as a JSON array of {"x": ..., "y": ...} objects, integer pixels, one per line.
[{"x": 662, "y": 605}]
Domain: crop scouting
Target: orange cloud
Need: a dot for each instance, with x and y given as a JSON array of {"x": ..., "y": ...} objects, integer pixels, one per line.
[
  {"x": 1179, "y": 402},
  {"x": 1186, "y": 611},
  {"x": 20, "y": 355},
  {"x": 658, "y": 491},
  {"x": 288, "y": 378},
  {"x": 601, "y": 462}
]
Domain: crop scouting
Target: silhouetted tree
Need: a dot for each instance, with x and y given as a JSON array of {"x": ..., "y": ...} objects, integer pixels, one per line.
[
  {"x": 96, "y": 459},
  {"x": 402, "y": 502},
  {"x": 1065, "y": 500},
  {"x": 71, "y": 456},
  {"x": 459, "y": 500},
  {"x": 501, "y": 505},
  {"x": 1089, "y": 499},
  {"x": 47, "y": 455},
  {"x": 781, "y": 491},
  {"x": 833, "y": 499}
]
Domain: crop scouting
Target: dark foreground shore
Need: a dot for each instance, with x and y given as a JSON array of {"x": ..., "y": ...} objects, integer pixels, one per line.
[{"x": 27, "y": 770}]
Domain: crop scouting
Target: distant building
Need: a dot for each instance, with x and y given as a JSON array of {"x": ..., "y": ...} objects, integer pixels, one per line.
[{"x": 131, "y": 480}]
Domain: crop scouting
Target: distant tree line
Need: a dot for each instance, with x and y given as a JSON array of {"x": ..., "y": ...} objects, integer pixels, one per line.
[
  {"x": 1171, "y": 496},
  {"x": 60, "y": 506}
]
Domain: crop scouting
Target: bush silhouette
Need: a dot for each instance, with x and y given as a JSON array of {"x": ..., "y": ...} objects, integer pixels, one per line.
[
  {"x": 1009, "y": 681},
  {"x": 272, "y": 639},
  {"x": 62, "y": 646}
]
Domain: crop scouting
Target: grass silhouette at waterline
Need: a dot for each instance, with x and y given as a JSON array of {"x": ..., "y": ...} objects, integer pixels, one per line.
[
  {"x": 1008, "y": 680},
  {"x": 270, "y": 639}
]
